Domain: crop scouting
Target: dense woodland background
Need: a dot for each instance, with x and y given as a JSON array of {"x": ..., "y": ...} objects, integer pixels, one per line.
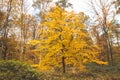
[{"x": 58, "y": 42}]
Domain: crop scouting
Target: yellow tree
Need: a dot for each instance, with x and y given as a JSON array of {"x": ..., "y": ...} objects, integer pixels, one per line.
[{"x": 64, "y": 40}]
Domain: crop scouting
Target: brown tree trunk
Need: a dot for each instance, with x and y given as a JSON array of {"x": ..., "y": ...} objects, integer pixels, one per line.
[
  {"x": 117, "y": 38},
  {"x": 5, "y": 52},
  {"x": 63, "y": 64},
  {"x": 110, "y": 50},
  {"x": 109, "y": 47}
]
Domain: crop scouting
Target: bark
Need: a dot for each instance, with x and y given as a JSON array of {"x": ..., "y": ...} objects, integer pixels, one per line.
[
  {"x": 63, "y": 64},
  {"x": 117, "y": 38},
  {"x": 109, "y": 47}
]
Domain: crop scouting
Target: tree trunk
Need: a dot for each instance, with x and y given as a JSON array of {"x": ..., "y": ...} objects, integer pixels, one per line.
[
  {"x": 117, "y": 38},
  {"x": 63, "y": 64},
  {"x": 5, "y": 52},
  {"x": 110, "y": 50},
  {"x": 106, "y": 50}
]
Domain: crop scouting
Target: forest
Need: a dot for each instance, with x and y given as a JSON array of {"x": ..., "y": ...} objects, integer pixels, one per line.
[{"x": 49, "y": 40}]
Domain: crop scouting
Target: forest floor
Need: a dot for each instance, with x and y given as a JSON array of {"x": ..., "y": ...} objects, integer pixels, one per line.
[{"x": 92, "y": 72}]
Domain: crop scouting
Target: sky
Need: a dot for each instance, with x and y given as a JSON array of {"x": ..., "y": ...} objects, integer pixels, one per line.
[
  {"x": 83, "y": 6},
  {"x": 78, "y": 6}
]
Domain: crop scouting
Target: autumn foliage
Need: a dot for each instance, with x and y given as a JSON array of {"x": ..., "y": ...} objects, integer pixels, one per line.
[{"x": 64, "y": 37}]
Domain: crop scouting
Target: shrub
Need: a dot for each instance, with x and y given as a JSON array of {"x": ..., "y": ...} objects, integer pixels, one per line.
[{"x": 15, "y": 70}]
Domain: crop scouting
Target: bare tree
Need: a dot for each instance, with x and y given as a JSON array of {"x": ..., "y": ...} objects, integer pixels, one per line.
[
  {"x": 5, "y": 29},
  {"x": 103, "y": 12}
]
